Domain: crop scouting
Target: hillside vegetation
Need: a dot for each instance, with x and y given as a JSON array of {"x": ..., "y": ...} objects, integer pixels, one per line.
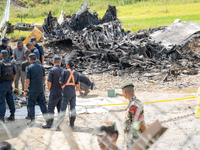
[{"x": 134, "y": 14}]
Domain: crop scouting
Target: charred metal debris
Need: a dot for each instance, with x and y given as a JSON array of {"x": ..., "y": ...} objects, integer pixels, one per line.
[{"x": 101, "y": 45}]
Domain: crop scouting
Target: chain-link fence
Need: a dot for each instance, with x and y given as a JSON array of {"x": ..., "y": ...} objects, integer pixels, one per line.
[{"x": 93, "y": 111}]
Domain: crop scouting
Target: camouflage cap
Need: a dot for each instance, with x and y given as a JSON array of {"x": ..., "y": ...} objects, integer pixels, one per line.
[
  {"x": 127, "y": 84},
  {"x": 106, "y": 127}
]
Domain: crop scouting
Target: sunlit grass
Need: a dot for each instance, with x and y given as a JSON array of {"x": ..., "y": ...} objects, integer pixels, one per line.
[
  {"x": 151, "y": 11},
  {"x": 138, "y": 24},
  {"x": 18, "y": 35},
  {"x": 39, "y": 20}
]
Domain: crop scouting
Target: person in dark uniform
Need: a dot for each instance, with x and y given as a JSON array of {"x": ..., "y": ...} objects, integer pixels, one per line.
[
  {"x": 5, "y": 46},
  {"x": 69, "y": 81},
  {"x": 40, "y": 49},
  {"x": 85, "y": 84},
  {"x": 35, "y": 79},
  {"x": 7, "y": 77},
  {"x": 33, "y": 49},
  {"x": 24, "y": 65},
  {"x": 26, "y": 62},
  {"x": 41, "y": 53},
  {"x": 54, "y": 87}
]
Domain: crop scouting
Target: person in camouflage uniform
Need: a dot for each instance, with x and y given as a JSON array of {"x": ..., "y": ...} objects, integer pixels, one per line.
[{"x": 134, "y": 120}]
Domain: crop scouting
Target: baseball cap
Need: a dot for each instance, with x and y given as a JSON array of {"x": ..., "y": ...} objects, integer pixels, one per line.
[
  {"x": 4, "y": 52},
  {"x": 33, "y": 39},
  {"x": 70, "y": 62},
  {"x": 57, "y": 58},
  {"x": 32, "y": 55},
  {"x": 5, "y": 40}
]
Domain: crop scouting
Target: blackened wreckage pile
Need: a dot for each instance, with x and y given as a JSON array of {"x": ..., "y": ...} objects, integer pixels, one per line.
[{"x": 101, "y": 45}]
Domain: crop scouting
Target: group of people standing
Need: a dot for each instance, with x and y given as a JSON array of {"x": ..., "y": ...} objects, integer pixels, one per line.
[
  {"x": 62, "y": 84},
  {"x": 12, "y": 69},
  {"x": 21, "y": 59},
  {"x": 28, "y": 65}
]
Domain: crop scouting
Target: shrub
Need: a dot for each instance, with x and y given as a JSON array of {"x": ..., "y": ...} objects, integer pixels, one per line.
[
  {"x": 46, "y": 1},
  {"x": 31, "y": 4}
]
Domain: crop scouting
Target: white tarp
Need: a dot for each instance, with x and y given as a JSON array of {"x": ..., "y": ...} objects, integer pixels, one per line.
[
  {"x": 6, "y": 14},
  {"x": 83, "y": 106},
  {"x": 178, "y": 33}
]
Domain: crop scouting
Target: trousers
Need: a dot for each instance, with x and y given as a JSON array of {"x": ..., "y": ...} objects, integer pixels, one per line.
[
  {"x": 20, "y": 74},
  {"x": 72, "y": 101},
  {"x": 6, "y": 95},
  {"x": 84, "y": 86},
  {"x": 54, "y": 101},
  {"x": 31, "y": 102}
]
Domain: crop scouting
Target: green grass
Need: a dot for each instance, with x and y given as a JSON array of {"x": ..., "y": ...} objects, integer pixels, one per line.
[
  {"x": 139, "y": 17},
  {"x": 135, "y": 16},
  {"x": 28, "y": 20},
  {"x": 138, "y": 24},
  {"x": 18, "y": 35}
]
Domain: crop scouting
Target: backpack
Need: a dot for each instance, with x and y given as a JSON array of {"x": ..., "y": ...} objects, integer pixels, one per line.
[{"x": 6, "y": 70}]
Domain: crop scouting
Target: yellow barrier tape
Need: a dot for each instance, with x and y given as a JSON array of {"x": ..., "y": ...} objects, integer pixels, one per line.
[
  {"x": 18, "y": 90},
  {"x": 177, "y": 99},
  {"x": 104, "y": 104}
]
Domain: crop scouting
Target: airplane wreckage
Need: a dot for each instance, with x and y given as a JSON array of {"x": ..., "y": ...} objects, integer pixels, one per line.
[{"x": 101, "y": 45}]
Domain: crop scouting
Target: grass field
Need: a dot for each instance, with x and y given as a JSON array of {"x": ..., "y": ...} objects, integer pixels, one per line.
[
  {"x": 134, "y": 17},
  {"x": 143, "y": 17}
]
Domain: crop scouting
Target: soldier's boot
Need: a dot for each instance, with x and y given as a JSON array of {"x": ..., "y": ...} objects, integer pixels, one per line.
[
  {"x": 49, "y": 124},
  {"x": 12, "y": 117},
  {"x": 72, "y": 123},
  {"x": 32, "y": 122},
  {"x": 2, "y": 119}
]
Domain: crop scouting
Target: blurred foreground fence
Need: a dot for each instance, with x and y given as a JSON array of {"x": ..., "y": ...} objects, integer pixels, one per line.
[{"x": 178, "y": 117}]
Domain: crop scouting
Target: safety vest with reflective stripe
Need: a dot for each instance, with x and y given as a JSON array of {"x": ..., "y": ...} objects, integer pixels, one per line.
[{"x": 71, "y": 77}]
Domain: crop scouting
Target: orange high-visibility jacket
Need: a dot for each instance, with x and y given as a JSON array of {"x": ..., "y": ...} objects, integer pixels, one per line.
[{"x": 71, "y": 80}]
